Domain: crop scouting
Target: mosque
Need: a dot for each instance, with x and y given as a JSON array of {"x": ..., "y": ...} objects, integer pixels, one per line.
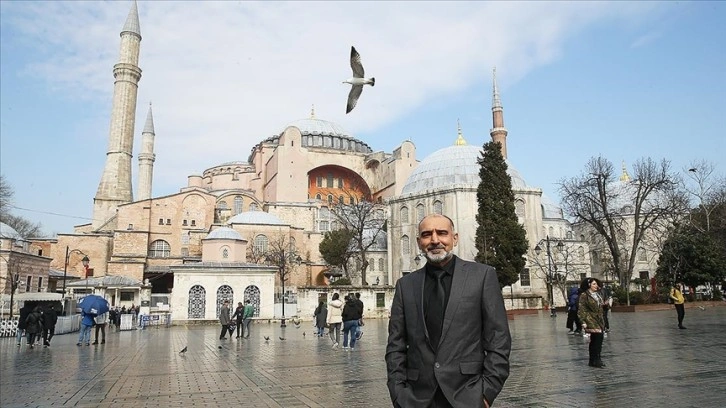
[{"x": 207, "y": 243}]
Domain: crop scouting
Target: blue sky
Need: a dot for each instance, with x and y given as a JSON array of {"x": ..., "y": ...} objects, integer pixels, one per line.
[{"x": 618, "y": 79}]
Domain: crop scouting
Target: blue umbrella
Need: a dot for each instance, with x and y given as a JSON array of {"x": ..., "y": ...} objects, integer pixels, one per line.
[{"x": 93, "y": 305}]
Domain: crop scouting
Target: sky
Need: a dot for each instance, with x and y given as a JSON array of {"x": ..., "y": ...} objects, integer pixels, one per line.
[{"x": 625, "y": 80}]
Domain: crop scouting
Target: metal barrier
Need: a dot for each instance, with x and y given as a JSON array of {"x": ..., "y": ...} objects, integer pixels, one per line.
[
  {"x": 155, "y": 320},
  {"x": 65, "y": 324}
]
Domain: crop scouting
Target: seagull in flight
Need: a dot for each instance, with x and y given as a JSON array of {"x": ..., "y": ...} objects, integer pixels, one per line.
[
  {"x": 184, "y": 350},
  {"x": 357, "y": 80}
]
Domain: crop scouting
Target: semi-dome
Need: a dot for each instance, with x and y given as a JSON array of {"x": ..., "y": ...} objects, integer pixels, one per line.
[
  {"x": 7, "y": 231},
  {"x": 224, "y": 233},
  {"x": 453, "y": 166},
  {"x": 255, "y": 218}
]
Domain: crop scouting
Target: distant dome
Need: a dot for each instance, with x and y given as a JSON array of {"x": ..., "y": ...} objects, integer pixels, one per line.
[
  {"x": 224, "y": 233},
  {"x": 255, "y": 218},
  {"x": 549, "y": 208},
  {"x": 453, "y": 166},
  {"x": 7, "y": 231},
  {"x": 313, "y": 126}
]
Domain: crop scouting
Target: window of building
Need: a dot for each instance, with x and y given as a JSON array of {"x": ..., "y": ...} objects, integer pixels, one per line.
[
  {"x": 551, "y": 232},
  {"x": 261, "y": 242},
  {"x": 340, "y": 182},
  {"x": 168, "y": 221},
  {"x": 420, "y": 212},
  {"x": 238, "y": 201},
  {"x": 127, "y": 296},
  {"x": 225, "y": 253},
  {"x": 524, "y": 277},
  {"x": 197, "y": 302},
  {"x": 405, "y": 245},
  {"x": 380, "y": 300},
  {"x": 161, "y": 221},
  {"x": 404, "y": 214},
  {"x": 642, "y": 256},
  {"x": 583, "y": 276},
  {"x": 372, "y": 264},
  {"x": 438, "y": 207},
  {"x": 519, "y": 208},
  {"x": 324, "y": 226},
  {"x": 184, "y": 223},
  {"x": 253, "y": 206},
  {"x": 329, "y": 181},
  {"x": 330, "y": 199},
  {"x": 319, "y": 181},
  {"x": 159, "y": 249},
  {"x": 40, "y": 283},
  {"x": 644, "y": 280},
  {"x": 595, "y": 258},
  {"x": 28, "y": 283},
  {"x": 185, "y": 251},
  {"x": 194, "y": 223},
  {"x": 341, "y": 200},
  {"x": 581, "y": 253},
  {"x": 318, "y": 196},
  {"x": 380, "y": 264}
]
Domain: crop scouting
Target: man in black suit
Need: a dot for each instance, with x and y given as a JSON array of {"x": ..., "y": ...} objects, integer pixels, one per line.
[{"x": 448, "y": 335}]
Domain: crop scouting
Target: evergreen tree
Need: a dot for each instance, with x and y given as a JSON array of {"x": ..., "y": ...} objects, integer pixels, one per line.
[{"x": 500, "y": 239}]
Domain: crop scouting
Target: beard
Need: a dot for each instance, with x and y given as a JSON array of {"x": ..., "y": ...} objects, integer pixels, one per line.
[{"x": 438, "y": 258}]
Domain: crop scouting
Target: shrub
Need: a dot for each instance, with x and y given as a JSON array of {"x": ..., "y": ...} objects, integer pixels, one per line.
[
  {"x": 341, "y": 281},
  {"x": 717, "y": 294}
]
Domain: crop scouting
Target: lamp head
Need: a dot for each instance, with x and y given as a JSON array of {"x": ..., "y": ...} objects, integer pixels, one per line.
[
  {"x": 85, "y": 261},
  {"x": 537, "y": 249}
]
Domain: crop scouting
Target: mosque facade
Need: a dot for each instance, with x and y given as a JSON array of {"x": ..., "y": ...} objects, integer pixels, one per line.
[{"x": 207, "y": 243}]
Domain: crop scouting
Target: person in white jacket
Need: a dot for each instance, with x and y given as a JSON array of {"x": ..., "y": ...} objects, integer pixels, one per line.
[{"x": 335, "y": 318}]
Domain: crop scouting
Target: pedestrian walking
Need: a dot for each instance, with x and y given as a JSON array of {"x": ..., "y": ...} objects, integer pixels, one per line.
[
  {"x": 361, "y": 308},
  {"x": 249, "y": 313},
  {"x": 351, "y": 316},
  {"x": 320, "y": 314},
  {"x": 573, "y": 322},
  {"x": 679, "y": 302},
  {"x": 590, "y": 312},
  {"x": 224, "y": 320},
  {"x": 100, "y": 321},
  {"x": 335, "y": 319},
  {"x": 22, "y": 317},
  {"x": 448, "y": 335},
  {"x": 34, "y": 325},
  {"x": 84, "y": 337},
  {"x": 50, "y": 318},
  {"x": 238, "y": 317}
]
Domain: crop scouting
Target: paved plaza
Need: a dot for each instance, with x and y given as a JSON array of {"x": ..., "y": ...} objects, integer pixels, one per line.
[{"x": 650, "y": 363}]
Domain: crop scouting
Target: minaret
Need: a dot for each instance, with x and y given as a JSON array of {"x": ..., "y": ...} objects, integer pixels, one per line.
[
  {"x": 499, "y": 132},
  {"x": 115, "y": 185},
  {"x": 146, "y": 158}
]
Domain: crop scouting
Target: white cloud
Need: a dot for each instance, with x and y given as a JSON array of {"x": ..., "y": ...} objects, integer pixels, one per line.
[{"x": 224, "y": 75}]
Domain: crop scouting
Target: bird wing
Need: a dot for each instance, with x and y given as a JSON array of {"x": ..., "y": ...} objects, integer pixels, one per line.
[
  {"x": 355, "y": 63},
  {"x": 353, "y": 96}
]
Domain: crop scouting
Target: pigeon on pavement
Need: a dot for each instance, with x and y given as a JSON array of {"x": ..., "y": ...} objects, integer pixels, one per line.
[
  {"x": 357, "y": 80},
  {"x": 282, "y": 338},
  {"x": 184, "y": 350}
]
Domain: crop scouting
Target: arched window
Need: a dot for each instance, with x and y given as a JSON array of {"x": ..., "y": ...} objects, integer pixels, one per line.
[
  {"x": 551, "y": 232},
  {"x": 291, "y": 246},
  {"x": 642, "y": 256},
  {"x": 222, "y": 205},
  {"x": 225, "y": 292},
  {"x": 405, "y": 245},
  {"x": 225, "y": 253},
  {"x": 581, "y": 253},
  {"x": 380, "y": 264},
  {"x": 569, "y": 234},
  {"x": 318, "y": 196},
  {"x": 238, "y": 205},
  {"x": 252, "y": 293},
  {"x": 519, "y": 208},
  {"x": 253, "y": 206},
  {"x": 420, "y": 212},
  {"x": 341, "y": 200},
  {"x": 260, "y": 246},
  {"x": 438, "y": 207},
  {"x": 404, "y": 214},
  {"x": 197, "y": 302},
  {"x": 595, "y": 258},
  {"x": 159, "y": 249},
  {"x": 372, "y": 264},
  {"x": 330, "y": 199}
]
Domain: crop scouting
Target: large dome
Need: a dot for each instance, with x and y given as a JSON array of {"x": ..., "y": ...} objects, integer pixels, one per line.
[
  {"x": 225, "y": 233},
  {"x": 453, "y": 166},
  {"x": 318, "y": 127},
  {"x": 255, "y": 218}
]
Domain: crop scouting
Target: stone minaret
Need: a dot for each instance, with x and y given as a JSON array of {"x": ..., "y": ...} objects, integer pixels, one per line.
[
  {"x": 115, "y": 185},
  {"x": 499, "y": 132},
  {"x": 146, "y": 159}
]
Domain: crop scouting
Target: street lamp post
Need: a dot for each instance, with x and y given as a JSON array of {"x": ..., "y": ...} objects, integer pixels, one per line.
[
  {"x": 14, "y": 283},
  {"x": 85, "y": 262},
  {"x": 550, "y": 279}
]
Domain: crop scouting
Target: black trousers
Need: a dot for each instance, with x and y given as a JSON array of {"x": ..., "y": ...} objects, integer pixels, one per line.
[
  {"x": 240, "y": 329},
  {"x": 573, "y": 319},
  {"x": 48, "y": 333},
  {"x": 681, "y": 310},
  {"x": 223, "y": 333},
  {"x": 595, "y": 347},
  {"x": 102, "y": 327}
]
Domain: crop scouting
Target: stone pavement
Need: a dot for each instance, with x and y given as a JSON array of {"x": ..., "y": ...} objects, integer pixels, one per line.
[{"x": 650, "y": 363}]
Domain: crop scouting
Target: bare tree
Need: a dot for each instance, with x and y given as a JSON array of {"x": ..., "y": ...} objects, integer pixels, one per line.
[
  {"x": 706, "y": 190},
  {"x": 366, "y": 222},
  {"x": 565, "y": 263},
  {"x": 25, "y": 228},
  {"x": 6, "y": 196},
  {"x": 622, "y": 212}
]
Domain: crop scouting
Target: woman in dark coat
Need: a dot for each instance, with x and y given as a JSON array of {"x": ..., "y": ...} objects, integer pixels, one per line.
[
  {"x": 34, "y": 325},
  {"x": 591, "y": 315},
  {"x": 321, "y": 315}
]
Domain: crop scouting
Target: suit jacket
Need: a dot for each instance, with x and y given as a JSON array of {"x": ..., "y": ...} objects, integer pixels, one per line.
[{"x": 472, "y": 360}]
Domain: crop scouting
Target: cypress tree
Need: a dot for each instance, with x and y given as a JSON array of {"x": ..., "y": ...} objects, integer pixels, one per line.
[{"x": 500, "y": 240}]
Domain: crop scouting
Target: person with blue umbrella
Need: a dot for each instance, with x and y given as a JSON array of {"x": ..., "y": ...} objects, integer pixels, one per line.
[
  {"x": 91, "y": 306},
  {"x": 86, "y": 324}
]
